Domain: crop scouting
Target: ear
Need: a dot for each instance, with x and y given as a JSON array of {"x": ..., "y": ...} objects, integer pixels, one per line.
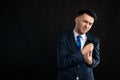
[{"x": 76, "y": 19}]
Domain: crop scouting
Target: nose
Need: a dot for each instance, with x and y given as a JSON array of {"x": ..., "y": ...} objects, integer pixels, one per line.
[{"x": 87, "y": 25}]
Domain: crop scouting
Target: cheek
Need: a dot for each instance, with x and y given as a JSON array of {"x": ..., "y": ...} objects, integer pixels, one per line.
[{"x": 88, "y": 28}]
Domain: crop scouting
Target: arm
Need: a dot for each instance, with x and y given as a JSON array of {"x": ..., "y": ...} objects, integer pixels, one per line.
[
  {"x": 91, "y": 53},
  {"x": 96, "y": 55}
]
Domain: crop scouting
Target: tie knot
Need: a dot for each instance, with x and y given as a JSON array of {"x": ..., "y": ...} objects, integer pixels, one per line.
[{"x": 79, "y": 36}]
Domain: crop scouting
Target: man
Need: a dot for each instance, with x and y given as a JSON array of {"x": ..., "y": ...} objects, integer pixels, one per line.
[{"x": 77, "y": 63}]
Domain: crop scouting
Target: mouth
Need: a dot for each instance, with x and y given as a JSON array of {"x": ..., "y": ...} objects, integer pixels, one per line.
[{"x": 83, "y": 29}]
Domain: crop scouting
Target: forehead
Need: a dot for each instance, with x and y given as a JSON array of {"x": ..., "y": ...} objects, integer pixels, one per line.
[{"x": 87, "y": 17}]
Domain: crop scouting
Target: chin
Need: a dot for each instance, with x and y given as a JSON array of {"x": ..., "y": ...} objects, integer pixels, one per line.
[{"x": 83, "y": 32}]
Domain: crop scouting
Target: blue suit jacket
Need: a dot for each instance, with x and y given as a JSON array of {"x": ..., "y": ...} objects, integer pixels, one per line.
[{"x": 71, "y": 61}]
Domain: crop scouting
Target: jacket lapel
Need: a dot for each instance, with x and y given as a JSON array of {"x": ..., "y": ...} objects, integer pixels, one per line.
[
  {"x": 72, "y": 42},
  {"x": 88, "y": 39}
]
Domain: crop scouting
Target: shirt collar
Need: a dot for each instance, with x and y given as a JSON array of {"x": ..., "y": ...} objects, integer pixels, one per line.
[{"x": 76, "y": 34}]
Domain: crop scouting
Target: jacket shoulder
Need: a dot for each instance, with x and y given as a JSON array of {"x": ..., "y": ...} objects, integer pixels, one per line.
[
  {"x": 65, "y": 34},
  {"x": 94, "y": 38}
]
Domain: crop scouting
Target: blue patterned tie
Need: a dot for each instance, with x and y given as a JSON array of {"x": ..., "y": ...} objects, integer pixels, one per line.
[{"x": 79, "y": 42}]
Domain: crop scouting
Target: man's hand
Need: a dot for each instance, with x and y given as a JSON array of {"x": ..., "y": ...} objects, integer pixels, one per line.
[
  {"x": 87, "y": 52},
  {"x": 87, "y": 49}
]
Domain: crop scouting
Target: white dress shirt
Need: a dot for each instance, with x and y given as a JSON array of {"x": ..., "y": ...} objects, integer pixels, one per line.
[{"x": 83, "y": 38}]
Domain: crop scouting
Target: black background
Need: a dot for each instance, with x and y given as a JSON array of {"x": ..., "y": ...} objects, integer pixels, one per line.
[{"x": 29, "y": 31}]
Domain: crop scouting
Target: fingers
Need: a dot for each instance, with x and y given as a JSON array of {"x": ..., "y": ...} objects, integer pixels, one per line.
[
  {"x": 87, "y": 52},
  {"x": 89, "y": 46},
  {"x": 88, "y": 58},
  {"x": 87, "y": 49}
]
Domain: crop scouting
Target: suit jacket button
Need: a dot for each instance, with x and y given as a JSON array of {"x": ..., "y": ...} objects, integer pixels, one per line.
[{"x": 77, "y": 78}]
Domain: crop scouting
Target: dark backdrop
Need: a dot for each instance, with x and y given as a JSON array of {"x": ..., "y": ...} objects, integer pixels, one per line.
[{"x": 29, "y": 31}]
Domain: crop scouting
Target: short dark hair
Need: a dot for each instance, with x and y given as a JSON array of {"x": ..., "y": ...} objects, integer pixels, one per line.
[{"x": 89, "y": 12}]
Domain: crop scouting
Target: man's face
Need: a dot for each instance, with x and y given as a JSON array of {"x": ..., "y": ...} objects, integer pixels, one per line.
[{"x": 83, "y": 23}]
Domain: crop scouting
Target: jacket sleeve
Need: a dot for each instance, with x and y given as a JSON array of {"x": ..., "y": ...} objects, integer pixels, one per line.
[{"x": 96, "y": 53}]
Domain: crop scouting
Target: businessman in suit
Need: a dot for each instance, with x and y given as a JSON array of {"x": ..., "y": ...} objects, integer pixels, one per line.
[{"x": 77, "y": 63}]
